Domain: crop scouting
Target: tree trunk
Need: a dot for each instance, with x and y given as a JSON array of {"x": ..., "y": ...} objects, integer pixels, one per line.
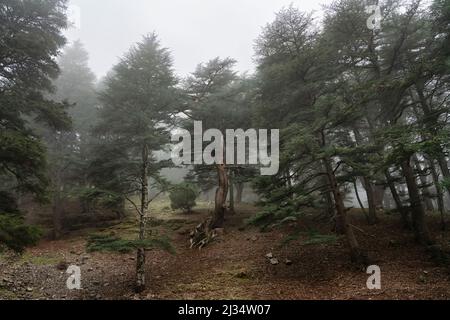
[
  {"x": 404, "y": 213},
  {"x": 218, "y": 218},
  {"x": 428, "y": 112},
  {"x": 373, "y": 219},
  {"x": 239, "y": 192},
  {"x": 439, "y": 193},
  {"x": 140, "y": 261},
  {"x": 418, "y": 212},
  {"x": 443, "y": 164},
  {"x": 342, "y": 220},
  {"x": 378, "y": 193},
  {"x": 423, "y": 180},
  {"x": 231, "y": 184},
  {"x": 355, "y": 185},
  {"x": 57, "y": 214},
  {"x": 368, "y": 186}
]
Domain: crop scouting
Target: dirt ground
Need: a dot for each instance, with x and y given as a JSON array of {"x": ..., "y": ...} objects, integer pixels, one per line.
[{"x": 235, "y": 266}]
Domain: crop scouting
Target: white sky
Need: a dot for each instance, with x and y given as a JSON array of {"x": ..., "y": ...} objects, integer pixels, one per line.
[{"x": 194, "y": 30}]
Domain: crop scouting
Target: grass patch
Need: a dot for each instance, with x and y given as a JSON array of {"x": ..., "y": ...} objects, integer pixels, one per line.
[
  {"x": 312, "y": 238},
  {"x": 40, "y": 260},
  {"x": 111, "y": 243}
]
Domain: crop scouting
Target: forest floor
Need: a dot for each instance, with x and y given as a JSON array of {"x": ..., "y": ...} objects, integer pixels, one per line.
[{"x": 314, "y": 265}]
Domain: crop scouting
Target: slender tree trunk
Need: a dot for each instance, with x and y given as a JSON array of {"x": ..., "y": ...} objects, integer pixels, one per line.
[
  {"x": 57, "y": 213},
  {"x": 221, "y": 198},
  {"x": 378, "y": 193},
  {"x": 425, "y": 190},
  {"x": 328, "y": 195},
  {"x": 140, "y": 261},
  {"x": 231, "y": 184},
  {"x": 355, "y": 185},
  {"x": 239, "y": 192},
  {"x": 443, "y": 164},
  {"x": 404, "y": 213},
  {"x": 418, "y": 212},
  {"x": 355, "y": 252},
  {"x": 439, "y": 194},
  {"x": 428, "y": 112},
  {"x": 373, "y": 219},
  {"x": 368, "y": 186}
]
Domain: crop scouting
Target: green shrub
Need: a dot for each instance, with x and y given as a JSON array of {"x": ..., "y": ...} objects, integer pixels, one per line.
[
  {"x": 183, "y": 196},
  {"x": 15, "y": 234}
]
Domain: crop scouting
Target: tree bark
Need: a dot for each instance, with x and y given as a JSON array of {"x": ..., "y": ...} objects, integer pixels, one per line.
[
  {"x": 57, "y": 214},
  {"x": 239, "y": 192},
  {"x": 439, "y": 194},
  {"x": 372, "y": 218},
  {"x": 368, "y": 186},
  {"x": 231, "y": 184},
  {"x": 423, "y": 180},
  {"x": 417, "y": 210},
  {"x": 342, "y": 220},
  {"x": 140, "y": 261},
  {"x": 428, "y": 112},
  {"x": 355, "y": 185},
  {"x": 218, "y": 218},
  {"x": 404, "y": 213}
]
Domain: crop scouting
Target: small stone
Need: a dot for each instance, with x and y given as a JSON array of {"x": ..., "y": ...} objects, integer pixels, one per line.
[
  {"x": 269, "y": 255},
  {"x": 219, "y": 232},
  {"x": 62, "y": 266},
  {"x": 30, "y": 289},
  {"x": 288, "y": 262},
  {"x": 274, "y": 261}
]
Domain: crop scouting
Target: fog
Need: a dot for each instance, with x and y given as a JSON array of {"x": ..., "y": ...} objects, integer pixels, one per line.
[{"x": 194, "y": 30}]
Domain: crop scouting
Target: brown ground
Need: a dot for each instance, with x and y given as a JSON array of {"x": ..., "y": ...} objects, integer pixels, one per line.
[{"x": 235, "y": 267}]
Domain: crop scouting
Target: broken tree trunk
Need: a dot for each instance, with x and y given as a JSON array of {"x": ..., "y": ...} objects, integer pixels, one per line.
[{"x": 218, "y": 217}]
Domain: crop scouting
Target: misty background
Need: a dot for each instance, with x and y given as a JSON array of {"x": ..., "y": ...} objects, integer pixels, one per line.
[{"x": 194, "y": 30}]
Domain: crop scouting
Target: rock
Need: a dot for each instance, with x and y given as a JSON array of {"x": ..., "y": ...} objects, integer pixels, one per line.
[
  {"x": 274, "y": 261},
  {"x": 392, "y": 243},
  {"x": 269, "y": 255},
  {"x": 90, "y": 269},
  {"x": 242, "y": 275},
  {"x": 30, "y": 289},
  {"x": 96, "y": 283},
  {"x": 219, "y": 232},
  {"x": 62, "y": 266},
  {"x": 288, "y": 262}
]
